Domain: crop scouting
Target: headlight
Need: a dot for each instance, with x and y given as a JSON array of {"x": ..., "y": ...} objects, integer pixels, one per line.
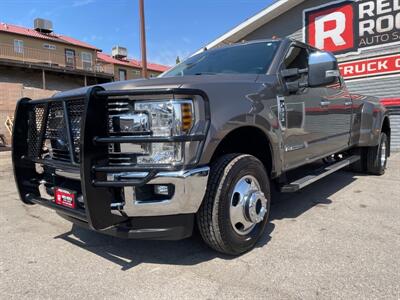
[
  {"x": 168, "y": 118},
  {"x": 163, "y": 118}
]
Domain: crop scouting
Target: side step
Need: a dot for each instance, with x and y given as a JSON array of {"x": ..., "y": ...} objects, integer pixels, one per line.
[{"x": 319, "y": 174}]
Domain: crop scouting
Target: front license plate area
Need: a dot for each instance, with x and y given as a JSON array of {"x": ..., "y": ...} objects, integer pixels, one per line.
[{"x": 66, "y": 198}]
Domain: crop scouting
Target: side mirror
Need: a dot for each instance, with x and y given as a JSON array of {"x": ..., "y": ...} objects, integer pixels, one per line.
[
  {"x": 294, "y": 86},
  {"x": 323, "y": 69}
]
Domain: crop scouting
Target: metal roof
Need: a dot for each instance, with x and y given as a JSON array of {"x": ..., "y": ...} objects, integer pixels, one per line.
[
  {"x": 133, "y": 63},
  {"x": 9, "y": 28}
]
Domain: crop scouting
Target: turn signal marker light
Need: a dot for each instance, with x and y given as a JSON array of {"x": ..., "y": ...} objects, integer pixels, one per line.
[{"x": 187, "y": 117}]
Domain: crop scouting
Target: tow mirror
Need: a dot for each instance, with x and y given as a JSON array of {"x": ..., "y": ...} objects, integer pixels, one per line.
[
  {"x": 295, "y": 85},
  {"x": 323, "y": 69}
]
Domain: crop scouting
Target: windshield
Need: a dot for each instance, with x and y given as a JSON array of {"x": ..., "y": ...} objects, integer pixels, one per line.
[{"x": 252, "y": 58}]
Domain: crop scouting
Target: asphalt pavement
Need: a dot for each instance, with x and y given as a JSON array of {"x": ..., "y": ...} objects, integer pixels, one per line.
[{"x": 337, "y": 239}]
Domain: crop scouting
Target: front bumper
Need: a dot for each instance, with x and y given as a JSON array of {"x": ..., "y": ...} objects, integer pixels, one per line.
[
  {"x": 176, "y": 227},
  {"x": 107, "y": 194},
  {"x": 189, "y": 189}
]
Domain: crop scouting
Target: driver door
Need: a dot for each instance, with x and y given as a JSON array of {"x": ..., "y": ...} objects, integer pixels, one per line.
[{"x": 304, "y": 129}]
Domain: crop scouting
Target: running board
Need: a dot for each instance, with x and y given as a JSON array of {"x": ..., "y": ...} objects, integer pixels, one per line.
[{"x": 319, "y": 174}]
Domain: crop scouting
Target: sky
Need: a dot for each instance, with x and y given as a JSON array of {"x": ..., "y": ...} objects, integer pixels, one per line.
[{"x": 173, "y": 27}]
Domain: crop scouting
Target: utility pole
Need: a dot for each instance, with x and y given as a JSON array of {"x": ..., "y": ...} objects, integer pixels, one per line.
[{"x": 143, "y": 39}]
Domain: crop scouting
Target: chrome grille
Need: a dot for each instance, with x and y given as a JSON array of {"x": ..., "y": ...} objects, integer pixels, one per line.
[{"x": 119, "y": 110}]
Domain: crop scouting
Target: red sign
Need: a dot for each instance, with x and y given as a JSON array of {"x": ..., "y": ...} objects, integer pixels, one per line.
[
  {"x": 371, "y": 67},
  {"x": 65, "y": 198},
  {"x": 331, "y": 28},
  {"x": 347, "y": 26}
]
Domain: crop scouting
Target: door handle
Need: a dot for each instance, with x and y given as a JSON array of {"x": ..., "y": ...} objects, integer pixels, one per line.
[
  {"x": 325, "y": 103},
  {"x": 348, "y": 103}
]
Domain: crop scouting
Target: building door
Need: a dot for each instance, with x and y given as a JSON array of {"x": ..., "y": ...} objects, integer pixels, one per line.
[
  {"x": 70, "y": 58},
  {"x": 122, "y": 74}
]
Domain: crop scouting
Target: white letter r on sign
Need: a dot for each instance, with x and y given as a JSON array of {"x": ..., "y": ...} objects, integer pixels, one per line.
[{"x": 335, "y": 34}]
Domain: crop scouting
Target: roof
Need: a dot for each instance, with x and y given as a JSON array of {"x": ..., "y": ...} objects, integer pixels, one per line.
[
  {"x": 50, "y": 37},
  {"x": 14, "y": 29},
  {"x": 157, "y": 67},
  {"x": 133, "y": 63},
  {"x": 266, "y": 15},
  {"x": 109, "y": 59}
]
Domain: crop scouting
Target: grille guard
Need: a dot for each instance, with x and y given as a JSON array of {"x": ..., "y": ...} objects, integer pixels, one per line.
[{"x": 94, "y": 140}]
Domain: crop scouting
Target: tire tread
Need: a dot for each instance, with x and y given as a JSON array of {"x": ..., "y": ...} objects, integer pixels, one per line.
[{"x": 207, "y": 218}]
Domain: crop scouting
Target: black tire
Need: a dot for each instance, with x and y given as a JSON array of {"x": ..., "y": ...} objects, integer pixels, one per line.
[
  {"x": 376, "y": 162},
  {"x": 213, "y": 217}
]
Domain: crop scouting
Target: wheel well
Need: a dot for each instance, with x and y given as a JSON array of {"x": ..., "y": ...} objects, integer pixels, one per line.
[
  {"x": 386, "y": 126},
  {"x": 247, "y": 140},
  {"x": 386, "y": 129}
]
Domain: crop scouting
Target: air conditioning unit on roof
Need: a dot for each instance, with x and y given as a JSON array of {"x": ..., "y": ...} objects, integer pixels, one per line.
[
  {"x": 119, "y": 52},
  {"x": 42, "y": 25}
]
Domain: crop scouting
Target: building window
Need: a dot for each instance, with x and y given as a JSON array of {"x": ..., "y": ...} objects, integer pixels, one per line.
[
  {"x": 87, "y": 61},
  {"x": 136, "y": 73},
  {"x": 122, "y": 74},
  {"x": 18, "y": 46},
  {"x": 49, "y": 47},
  {"x": 70, "y": 58}
]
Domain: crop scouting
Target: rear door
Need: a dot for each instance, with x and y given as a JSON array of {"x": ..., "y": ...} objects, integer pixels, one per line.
[{"x": 340, "y": 115}]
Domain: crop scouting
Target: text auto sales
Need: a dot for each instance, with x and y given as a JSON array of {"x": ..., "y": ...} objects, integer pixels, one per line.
[{"x": 379, "y": 22}]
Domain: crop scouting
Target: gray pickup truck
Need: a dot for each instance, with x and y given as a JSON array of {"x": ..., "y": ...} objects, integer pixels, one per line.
[{"x": 203, "y": 144}]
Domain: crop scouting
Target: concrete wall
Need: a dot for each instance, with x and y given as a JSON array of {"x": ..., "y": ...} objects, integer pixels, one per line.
[
  {"x": 10, "y": 93},
  {"x": 132, "y": 73},
  {"x": 33, "y": 78}
]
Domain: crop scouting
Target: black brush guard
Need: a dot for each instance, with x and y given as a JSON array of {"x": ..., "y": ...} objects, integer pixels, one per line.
[{"x": 92, "y": 143}]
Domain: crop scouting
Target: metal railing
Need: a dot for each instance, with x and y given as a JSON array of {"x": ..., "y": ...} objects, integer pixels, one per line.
[{"x": 51, "y": 58}]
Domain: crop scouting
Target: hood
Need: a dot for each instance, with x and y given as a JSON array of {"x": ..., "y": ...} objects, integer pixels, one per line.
[{"x": 167, "y": 82}]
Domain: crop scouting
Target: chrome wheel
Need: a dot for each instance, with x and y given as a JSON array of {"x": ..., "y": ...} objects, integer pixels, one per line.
[
  {"x": 383, "y": 155},
  {"x": 248, "y": 205}
]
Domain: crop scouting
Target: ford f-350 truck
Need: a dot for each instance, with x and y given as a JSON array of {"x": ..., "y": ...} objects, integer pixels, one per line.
[{"x": 203, "y": 144}]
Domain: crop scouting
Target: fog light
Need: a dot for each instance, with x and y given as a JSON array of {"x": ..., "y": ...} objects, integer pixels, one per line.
[{"x": 161, "y": 190}]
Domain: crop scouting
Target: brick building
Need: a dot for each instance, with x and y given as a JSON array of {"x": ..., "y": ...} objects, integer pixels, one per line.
[{"x": 37, "y": 63}]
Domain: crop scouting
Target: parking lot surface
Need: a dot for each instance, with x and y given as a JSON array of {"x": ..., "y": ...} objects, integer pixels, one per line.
[{"x": 338, "y": 238}]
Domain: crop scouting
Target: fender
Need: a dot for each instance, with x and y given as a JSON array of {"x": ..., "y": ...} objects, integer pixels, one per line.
[
  {"x": 372, "y": 116},
  {"x": 216, "y": 137}
]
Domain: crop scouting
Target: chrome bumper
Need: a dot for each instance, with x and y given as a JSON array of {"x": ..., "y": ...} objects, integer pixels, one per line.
[{"x": 190, "y": 187}]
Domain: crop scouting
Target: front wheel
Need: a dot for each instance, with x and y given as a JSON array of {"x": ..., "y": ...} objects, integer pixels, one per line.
[{"x": 235, "y": 209}]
